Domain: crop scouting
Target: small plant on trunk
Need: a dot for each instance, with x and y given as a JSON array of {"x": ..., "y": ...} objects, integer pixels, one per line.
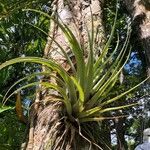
[{"x": 80, "y": 97}]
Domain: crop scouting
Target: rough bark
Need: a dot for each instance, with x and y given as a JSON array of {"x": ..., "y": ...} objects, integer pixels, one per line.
[
  {"x": 49, "y": 129},
  {"x": 140, "y": 14}
]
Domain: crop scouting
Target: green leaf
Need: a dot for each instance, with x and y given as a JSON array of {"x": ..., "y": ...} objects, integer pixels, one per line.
[
  {"x": 47, "y": 85},
  {"x": 74, "y": 45},
  {"x": 90, "y": 62},
  {"x": 61, "y": 48},
  {"x": 116, "y": 108},
  {"x": 29, "y": 77},
  {"x": 49, "y": 63},
  {"x": 80, "y": 90},
  {"x": 123, "y": 94},
  {"x": 105, "y": 50},
  {"x": 89, "y": 112},
  {"x": 5, "y": 108},
  {"x": 25, "y": 78},
  {"x": 101, "y": 68},
  {"x": 109, "y": 76}
]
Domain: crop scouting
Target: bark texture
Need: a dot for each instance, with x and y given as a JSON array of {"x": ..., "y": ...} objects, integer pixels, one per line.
[
  {"x": 140, "y": 14},
  {"x": 77, "y": 16},
  {"x": 49, "y": 128}
]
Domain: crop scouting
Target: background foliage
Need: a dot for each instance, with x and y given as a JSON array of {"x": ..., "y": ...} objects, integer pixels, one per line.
[{"x": 18, "y": 38}]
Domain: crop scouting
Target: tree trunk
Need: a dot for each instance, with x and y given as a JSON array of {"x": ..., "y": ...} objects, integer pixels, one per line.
[
  {"x": 49, "y": 129},
  {"x": 139, "y": 11},
  {"x": 120, "y": 134}
]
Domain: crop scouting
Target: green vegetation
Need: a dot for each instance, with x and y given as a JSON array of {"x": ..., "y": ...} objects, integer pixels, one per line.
[{"x": 92, "y": 95}]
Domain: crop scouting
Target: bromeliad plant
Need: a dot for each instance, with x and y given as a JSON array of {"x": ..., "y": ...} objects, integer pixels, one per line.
[{"x": 84, "y": 92}]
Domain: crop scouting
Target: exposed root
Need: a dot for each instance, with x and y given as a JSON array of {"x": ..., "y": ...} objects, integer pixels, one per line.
[
  {"x": 89, "y": 141},
  {"x": 60, "y": 139},
  {"x": 53, "y": 131}
]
